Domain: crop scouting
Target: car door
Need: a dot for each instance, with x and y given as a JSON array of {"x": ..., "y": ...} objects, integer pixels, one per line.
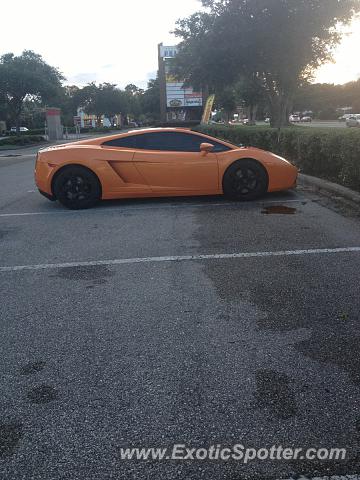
[
  {"x": 122, "y": 174},
  {"x": 172, "y": 162}
]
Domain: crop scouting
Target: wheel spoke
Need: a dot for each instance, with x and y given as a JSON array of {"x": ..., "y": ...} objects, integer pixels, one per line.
[
  {"x": 76, "y": 188},
  {"x": 244, "y": 180}
]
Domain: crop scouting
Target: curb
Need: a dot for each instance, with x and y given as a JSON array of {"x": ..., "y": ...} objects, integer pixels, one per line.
[
  {"x": 21, "y": 147},
  {"x": 330, "y": 187}
]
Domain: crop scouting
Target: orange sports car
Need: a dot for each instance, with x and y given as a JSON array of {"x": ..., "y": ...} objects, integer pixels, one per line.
[{"x": 157, "y": 162}]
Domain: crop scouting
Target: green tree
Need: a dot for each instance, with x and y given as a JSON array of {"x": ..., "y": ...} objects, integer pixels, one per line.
[
  {"x": 318, "y": 98},
  {"x": 26, "y": 76},
  {"x": 280, "y": 42},
  {"x": 150, "y": 101},
  {"x": 133, "y": 90},
  {"x": 104, "y": 99},
  {"x": 112, "y": 100},
  {"x": 249, "y": 93},
  {"x": 350, "y": 95},
  {"x": 4, "y": 111},
  {"x": 327, "y": 100},
  {"x": 134, "y": 97},
  {"x": 226, "y": 102}
]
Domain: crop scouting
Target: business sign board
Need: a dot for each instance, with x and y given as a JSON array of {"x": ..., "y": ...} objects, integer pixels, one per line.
[
  {"x": 177, "y": 95},
  {"x": 168, "y": 52},
  {"x": 193, "y": 99}
]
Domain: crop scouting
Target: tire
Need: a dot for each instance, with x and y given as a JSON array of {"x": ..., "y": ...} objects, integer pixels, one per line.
[
  {"x": 245, "y": 180},
  {"x": 76, "y": 187}
]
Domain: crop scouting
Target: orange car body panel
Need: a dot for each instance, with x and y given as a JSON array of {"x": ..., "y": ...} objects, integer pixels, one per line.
[{"x": 130, "y": 173}]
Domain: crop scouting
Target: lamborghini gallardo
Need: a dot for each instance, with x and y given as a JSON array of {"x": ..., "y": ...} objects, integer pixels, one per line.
[{"x": 158, "y": 162}]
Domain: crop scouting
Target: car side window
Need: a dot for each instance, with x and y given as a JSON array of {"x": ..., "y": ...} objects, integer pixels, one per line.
[
  {"x": 124, "y": 142},
  {"x": 175, "y": 142}
]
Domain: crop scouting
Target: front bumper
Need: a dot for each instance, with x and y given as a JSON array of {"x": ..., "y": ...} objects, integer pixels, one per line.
[
  {"x": 43, "y": 174},
  {"x": 47, "y": 195}
]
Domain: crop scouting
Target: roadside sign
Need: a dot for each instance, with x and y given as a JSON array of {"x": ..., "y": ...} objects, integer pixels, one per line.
[{"x": 207, "y": 110}]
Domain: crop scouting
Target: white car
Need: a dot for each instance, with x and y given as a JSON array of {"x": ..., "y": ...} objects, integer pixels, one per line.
[
  {"x": 294, "y": 118},
  {"x": 345, "y": 117},
  {"x": 353, "y": 121},
  {"x": 22, "y": 129}
]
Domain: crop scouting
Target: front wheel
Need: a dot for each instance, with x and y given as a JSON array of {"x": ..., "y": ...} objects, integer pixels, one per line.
[
  {"x": 245, "y": 180},
  {"x": 77, "y": 187}
]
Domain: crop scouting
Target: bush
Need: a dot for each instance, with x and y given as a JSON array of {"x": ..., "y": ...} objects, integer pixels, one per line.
[
  {"x": 33, "y": 131},
  {"x": 22, "y": 140},
  {"x": 329, "y": 153},
  {"x": 92, "y": 130},
  {"x": 36, "y": 131}
]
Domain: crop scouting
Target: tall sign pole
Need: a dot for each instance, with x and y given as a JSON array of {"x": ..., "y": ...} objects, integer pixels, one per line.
[{"x": 162, "y": 84}]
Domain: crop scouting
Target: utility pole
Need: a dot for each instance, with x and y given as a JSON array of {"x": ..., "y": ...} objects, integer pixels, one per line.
[{"x": 162, "y": 84}]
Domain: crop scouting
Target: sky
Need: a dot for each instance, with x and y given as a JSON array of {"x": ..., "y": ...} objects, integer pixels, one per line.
[
  {"x": 347, "y": 60},
  {"x": 116, "y": 40}
]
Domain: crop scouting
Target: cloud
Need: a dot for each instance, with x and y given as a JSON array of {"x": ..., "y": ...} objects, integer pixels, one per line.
[
  {"x": 82, "y": 78},
  {"x": 152, "y": 74}
]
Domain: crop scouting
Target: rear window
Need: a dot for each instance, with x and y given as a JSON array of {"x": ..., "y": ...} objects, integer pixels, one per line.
[{"x": 125, "y": 142}]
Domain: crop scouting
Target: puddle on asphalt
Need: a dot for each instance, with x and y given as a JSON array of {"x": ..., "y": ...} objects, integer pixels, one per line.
[
  {"x": 278, "y": 209},
  {"x": 85, "y": 272},
  {"x": 31, "y": 368},
  {"x": 10, "y": 435},
  {"x": 42, "y": 394}
]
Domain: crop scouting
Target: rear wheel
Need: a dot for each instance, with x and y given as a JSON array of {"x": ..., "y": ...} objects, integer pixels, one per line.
[
  {"x": 245, "y": 180},
  {"x": 76, "y": 187}
]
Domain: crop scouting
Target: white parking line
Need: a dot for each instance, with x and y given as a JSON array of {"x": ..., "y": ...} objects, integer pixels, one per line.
[
  {"x": 180, "y": 258},
  {"x": 149, "y": 207}
]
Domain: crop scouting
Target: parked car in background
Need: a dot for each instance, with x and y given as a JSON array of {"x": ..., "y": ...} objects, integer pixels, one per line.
[
  {"x": 22, "y": 129},
  {"x": 294, "y": 118},
  {"x": 250, "y": 123},
  {"x": 345, "y": 117},
  {"x": 306, "y": 119},
  {"x": 353, "y": 121},
  {"x": 217, "y": 122}
]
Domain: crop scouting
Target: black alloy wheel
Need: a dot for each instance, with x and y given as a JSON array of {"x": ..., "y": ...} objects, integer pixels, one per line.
[
  {"x": 77, "y": 187},
  {"x": 245, "y": 180}
]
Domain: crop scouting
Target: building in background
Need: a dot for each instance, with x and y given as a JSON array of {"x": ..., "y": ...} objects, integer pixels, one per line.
[
  {"x": 178, "y": 103},
  {"x": 85, "y": 120}
]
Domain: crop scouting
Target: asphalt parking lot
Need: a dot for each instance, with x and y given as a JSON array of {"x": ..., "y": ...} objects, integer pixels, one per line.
[{"x": 196, "y": 321}]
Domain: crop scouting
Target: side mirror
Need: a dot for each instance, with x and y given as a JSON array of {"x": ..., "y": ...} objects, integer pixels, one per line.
[{"x": 206, "y": 148}]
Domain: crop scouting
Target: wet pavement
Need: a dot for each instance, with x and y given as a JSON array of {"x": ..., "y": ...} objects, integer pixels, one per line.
[{"x": 229, "y": 323}]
